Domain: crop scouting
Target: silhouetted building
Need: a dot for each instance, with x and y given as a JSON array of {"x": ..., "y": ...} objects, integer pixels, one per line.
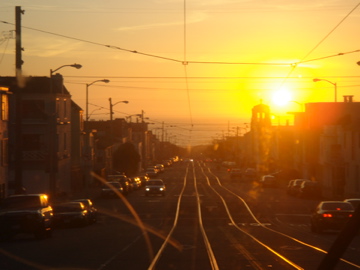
[
  {"x": 261, "y": 136},
  {"x": 40, "y": 141}
]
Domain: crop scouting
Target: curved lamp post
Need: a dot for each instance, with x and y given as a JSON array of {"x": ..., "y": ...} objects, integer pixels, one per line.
[
  {"x": 77, "y": 66},
  {"x": 111, "y": 116},
  {"x": 129, "y": 116},
  {"x": 87, "y": 96},
  {"x": 112, "y": 105},
  {"x": 334, "y": 84}
]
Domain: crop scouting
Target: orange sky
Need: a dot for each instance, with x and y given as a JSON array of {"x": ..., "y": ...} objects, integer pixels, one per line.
[{"x": 156, "y": 81}]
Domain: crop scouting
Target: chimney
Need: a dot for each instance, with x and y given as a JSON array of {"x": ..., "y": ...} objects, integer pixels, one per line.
[{"x": 348, "y": 98}]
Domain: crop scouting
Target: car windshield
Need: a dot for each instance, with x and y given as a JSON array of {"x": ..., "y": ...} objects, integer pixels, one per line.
[
  {"x": 21, "y": 202},
  {"x": 67, "y": 208},
  {"x": 337, "y": 206},
  {"x": 154, "y": 183}
]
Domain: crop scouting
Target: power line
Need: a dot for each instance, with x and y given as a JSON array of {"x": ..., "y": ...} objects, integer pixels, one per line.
[
  {"x": 326, "y": 36},
  {"x": 316, "y": 46},
  {"x": 181, "y": 61}
]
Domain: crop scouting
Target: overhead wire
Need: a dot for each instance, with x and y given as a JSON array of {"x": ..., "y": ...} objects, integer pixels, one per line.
[
  {"x": 184, "y": 62},
  {"x": 318, "y": 44},
  {"x": 185, "y": 70},
  {"x": 3, "y": 53},
  {"x": 326, "y": 36}
]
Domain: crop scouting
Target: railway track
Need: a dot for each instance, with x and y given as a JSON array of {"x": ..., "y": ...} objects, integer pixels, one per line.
[{"x": 221, "y": 235}]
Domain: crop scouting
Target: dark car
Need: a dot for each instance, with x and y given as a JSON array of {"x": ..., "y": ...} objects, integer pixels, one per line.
[
  {"x": 143, "y": 179},
  {"x": 135, "y": 182},
  {"x": 309, "y": 189},
  {"x": 123, "y": 180},
  {"x": 250, "y": 173},
  {"x": 295, "y": 187},
  {"x": 155, "y": 187},
  {"x": 151, "y": 172},
  {"x": 27, "y": 213},
  {"x": 70, "y": 214},
  {"x": 235, "y": 173},
  {"x": 92, "y": 211},
  {"x": 331, "y": 215},
  {"x": 111, "y": 189},
  {"x": 354, "y": 201},
  {"x": 268, "y": 181},
  {"x": 289, "y": 186}
]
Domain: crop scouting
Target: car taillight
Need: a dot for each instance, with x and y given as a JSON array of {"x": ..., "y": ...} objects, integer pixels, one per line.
[
  {"x": 350, "y": 215},
  {"x": 327, "y": 215}
]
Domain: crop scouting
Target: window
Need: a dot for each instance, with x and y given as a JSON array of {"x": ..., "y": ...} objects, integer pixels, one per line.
[
  {"x": 65, "y": 104},
  {"x": 4, "y": 107},
  {"x": 4, "y": 152},
  {"x": 65, "y": 142},
  {"x": 31, "y": 142},
  {"x": 33, "y": 109}
]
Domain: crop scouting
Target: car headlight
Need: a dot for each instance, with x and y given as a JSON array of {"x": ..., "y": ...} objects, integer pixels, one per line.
[
  {"x": 161, "y": 189},
  {"x": 147, "y": 189}
]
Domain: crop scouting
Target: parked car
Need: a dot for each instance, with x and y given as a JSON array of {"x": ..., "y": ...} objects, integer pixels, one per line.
[
  {"x": 143, "y": 179},
  {"x": 289, "y": 186},
  {"x": 295, "y": 188},
  {"x": 155, "y": 187},
  {"x": 70, "y": 214},
  {"x": 123, "y": 180},
  {"x": 235, "y": 173},
  {"x": 160, "y": 167},
  {"x": 26, "y": 213},
  {"x": 111, "y": 189},
  {"x": 354, "y": 201},
  {"x": 309, "y": 189},
  {"x": 331, "y": 215},
  {"x": 125, "y": 184},
  {"x": 135, "y": 183},
  {"x": 250, "y": 173},
  {"x": 268, "y": 181},
  {"x": 92, "y": 211},
  {"x": 151, "y": 172},
  {"x": 228, "y": 164}
]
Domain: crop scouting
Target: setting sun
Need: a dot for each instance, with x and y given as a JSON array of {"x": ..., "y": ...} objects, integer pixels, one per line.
[{"x": 281, "y": 97}]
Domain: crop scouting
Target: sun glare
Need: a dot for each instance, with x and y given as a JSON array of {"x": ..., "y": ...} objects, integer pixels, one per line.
[{"x": 281, "y": 97}]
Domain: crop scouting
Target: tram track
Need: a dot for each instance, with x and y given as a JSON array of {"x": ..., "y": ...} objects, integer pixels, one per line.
[
  {"x": 261, "y": 225},
  {"x": 230, "y": 242}
]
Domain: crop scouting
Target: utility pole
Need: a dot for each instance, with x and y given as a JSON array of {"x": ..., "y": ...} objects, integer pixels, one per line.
[
  {"x": 143, "y": 139},
  {"x": 18, "y": 60},
  {"x": 18, "y": 168}
]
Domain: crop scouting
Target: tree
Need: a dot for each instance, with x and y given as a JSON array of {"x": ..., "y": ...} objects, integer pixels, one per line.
[{"x": 126, "y": 159}]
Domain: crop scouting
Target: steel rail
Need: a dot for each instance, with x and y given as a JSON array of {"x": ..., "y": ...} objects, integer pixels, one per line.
[
  {"x": 248, "y": 234},
  {"x": 209, "y": 250},
  {"x": 272, "y": 230},
  {"x": 168, "y": 237}
]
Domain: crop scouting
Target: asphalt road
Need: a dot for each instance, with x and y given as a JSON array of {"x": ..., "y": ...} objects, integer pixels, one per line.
[{"x": 205, "y": 221}]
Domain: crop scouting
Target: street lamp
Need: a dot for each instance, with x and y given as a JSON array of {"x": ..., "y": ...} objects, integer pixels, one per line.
[
  {"x": 111, "y": 116},
  {"x": 129, "y": 116},
  {"x": 77, "y": 66},
  {"x": 112, "y": 105},
  {"x": 334, "y": 84},
  {"x": 87, "y": 96}
]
